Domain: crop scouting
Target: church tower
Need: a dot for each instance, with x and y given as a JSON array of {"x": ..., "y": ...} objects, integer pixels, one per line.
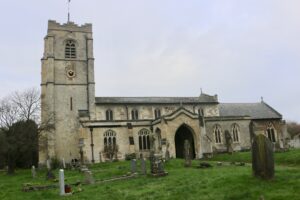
[{"x": 68, "y": 87}]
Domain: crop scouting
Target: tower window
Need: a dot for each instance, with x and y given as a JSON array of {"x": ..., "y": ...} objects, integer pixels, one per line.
[
  {"x": 157, "y": 113},
  {"x": 109, "y": 115},
  {"x": 134, "y": 114},
  {"x": 70, "y": 49}
]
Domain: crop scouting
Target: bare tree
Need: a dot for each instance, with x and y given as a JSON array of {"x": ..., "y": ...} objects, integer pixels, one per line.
[
  {"x": 22, "y": 107},
  {"x": 293, "y": 128}
]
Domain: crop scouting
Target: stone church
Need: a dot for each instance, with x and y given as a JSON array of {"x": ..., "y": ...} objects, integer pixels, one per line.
[{"x": 97, "y": 128}]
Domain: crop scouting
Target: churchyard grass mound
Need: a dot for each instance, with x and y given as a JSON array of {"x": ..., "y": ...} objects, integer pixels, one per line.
[{"x": 226, "y": 182}]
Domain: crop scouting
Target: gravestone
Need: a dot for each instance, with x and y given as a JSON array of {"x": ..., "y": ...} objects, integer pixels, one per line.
[
  {"x": 33, "y": 171},
  {"x": 262, "y": 157},
  {"x": 61, "y": 182},
  {"x": 63, "y": 163},
  {"x": 100, "y": 157},
  {"x": 187, "y": 154},
  {"x": 88, "y": 177},
  {"x": 133, "y": 166},
  {"x": 48, "y": 164},
  {"x": 143, "y": 166},
  {"x": 167, "y": 154},
  {"x": 228, "y": 141}
]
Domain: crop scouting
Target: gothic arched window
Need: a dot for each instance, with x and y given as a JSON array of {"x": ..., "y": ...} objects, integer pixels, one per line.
[
  {"x": 157, "y": 113},
  {"x": 109, "y": 115},
  {"x": 271, "y": 132},
  {"x": 235, "y": 132},
  {"x": 134, "y": 114},
  {"x": 144, "y": 139},
  {"x": 70, "y": 49},
  {"x": 110, "y": 138},
  {"x": 218, "y": 134}
]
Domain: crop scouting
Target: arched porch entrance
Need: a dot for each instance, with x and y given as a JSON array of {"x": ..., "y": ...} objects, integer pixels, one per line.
[{"x": 184, "y": 133}]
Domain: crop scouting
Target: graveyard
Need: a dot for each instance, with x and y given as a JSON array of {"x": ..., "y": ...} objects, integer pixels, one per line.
[{"x": 225, "y": 179}]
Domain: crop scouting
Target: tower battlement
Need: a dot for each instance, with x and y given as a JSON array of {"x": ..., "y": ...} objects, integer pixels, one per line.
[{"x": 70, "y": 26}]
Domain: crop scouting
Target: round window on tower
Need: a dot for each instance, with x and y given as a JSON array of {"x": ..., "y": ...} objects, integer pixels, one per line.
[{"x": 71, "y": 73}]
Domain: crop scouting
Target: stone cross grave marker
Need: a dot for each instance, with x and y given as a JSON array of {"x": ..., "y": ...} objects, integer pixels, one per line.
[
  {"x": 143, "y": 166},
  {"x": 262, "y": 157},
  {"x": 133, "y": 166},
  {"x": 33, "y": 171},
  {"x": 61, "y": 182},
  {"x": 187, "y": 154}
]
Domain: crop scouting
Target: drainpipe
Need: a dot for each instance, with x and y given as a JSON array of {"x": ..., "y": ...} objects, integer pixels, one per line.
[{"x": 92, "y": 144}]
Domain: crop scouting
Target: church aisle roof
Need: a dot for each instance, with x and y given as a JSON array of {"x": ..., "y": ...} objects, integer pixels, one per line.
[
  {"x": 203, "y": 98},
  {"x": 254, "y": 110}
]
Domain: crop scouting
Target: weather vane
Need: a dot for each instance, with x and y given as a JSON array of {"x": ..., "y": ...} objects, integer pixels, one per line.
[{"x": 69, "y": 10}]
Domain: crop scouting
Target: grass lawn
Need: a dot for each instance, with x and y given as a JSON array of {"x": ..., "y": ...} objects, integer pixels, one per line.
[{"x": 219, "y": 182}]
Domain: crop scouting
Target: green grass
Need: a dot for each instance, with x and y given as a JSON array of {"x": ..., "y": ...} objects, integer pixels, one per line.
[
  {"x": 291, "y": 157},
  {"x": 217, "y": 183}
]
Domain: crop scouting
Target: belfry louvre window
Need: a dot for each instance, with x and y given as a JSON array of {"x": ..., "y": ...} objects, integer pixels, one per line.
[
  {"x": 218, "y": 134},
  {"x": 157, "y": 113},
  {"x": 134, "y": 114},
  {"x": 271, "y": 132},
  {"x": 235, "y": 132},
  {"x": 109, "y": 115},
  {"x": 70, "y": 49},
  {"x": 144, "y": 139}
]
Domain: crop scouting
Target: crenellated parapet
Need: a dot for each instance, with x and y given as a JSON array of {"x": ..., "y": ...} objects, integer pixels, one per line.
[{"x": 70, "y": 26}]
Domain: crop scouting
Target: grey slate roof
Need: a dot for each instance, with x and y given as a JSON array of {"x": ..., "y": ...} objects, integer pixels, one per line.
[
  {"x": 203, "y": 98},
  {"x": 254, "y": 110}
]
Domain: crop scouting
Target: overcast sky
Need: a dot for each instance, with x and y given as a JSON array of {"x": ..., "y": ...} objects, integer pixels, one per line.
[{"x": 240, "y": 50}]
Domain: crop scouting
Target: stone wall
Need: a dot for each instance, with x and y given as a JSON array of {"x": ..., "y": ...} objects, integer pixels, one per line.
[{"x": 226, "y": 124}]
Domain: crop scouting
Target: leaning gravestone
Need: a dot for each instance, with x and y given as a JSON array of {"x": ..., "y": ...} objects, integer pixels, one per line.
[
  {"x": 187, "y": 154},
  {"x": 133, "y": 166},
  {"x": 262, "y": 157},
  {"x": 143, "y": 166}
]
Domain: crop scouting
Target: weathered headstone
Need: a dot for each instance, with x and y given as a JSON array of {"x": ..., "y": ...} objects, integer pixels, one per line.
[
  {"x": 89, "y": 179},
  {"x": 48, "y": 164},
  {"x": 187, "y": 154},
  {"x": 228, "y": 141},
  {"x": 143, "y": 166},
  {"x": 100, "y": 157},
  {"x": 133, "y": 166},
  {"x": 167, "y": 154},
  {"x": 33, "y": 171},
  {"x": 61, "y": 182},
  {"x": 262, "y": 157}
]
